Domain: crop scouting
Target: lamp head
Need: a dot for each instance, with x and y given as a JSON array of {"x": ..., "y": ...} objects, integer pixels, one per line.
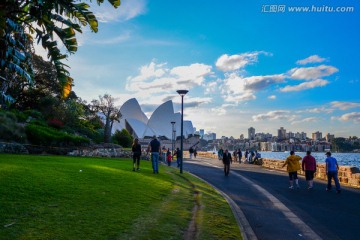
[{"x": 182, "y": 92}]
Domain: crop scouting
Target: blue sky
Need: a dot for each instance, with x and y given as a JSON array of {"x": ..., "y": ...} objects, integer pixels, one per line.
[{"x": 245, "y": 63}]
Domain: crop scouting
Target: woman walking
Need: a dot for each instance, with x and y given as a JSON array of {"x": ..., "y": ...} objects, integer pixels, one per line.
[{"x": 136, "y": 150}]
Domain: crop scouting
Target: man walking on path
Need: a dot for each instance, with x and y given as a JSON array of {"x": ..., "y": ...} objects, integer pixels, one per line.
[
  {"x": 154, "y": 147},
  {"x": 293, "y": 166},
  {"x": 332, "y": 168},
  {"x": 240, "y": 155},
  {"x": 309, "y": 166},
  {"x": 226, "y": 158}
]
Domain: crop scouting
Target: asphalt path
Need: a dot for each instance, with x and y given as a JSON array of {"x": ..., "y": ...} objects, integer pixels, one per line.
[{"x": 273, "y": 211}]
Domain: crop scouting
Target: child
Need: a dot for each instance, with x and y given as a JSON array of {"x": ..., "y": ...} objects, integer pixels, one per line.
[{"x": 168, "y": 157}]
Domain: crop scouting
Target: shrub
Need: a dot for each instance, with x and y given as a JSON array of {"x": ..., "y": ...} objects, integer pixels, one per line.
[
  {"x": 48, "y": 136},
  {"x": 10, "y": 130},
  {"x": 33, "y": 114},
  {"x": 55, "y": 123},
  {"x": 123, "y": 138}
]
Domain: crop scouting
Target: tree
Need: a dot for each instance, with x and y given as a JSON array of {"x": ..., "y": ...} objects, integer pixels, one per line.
[
  {"x": 106, "y": 106},
  {"x": 123, "y": 138},
  {"x": 45, "y": 19}
]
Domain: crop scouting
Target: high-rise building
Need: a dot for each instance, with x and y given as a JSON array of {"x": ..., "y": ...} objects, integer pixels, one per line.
[
  {"x": 316, "y": 136},
  {"x": 329, "y": 137},
  {"x": 282, "y": 133},
  {"x": 201, "y": 132},
  {"x": 251, "y": 133},
  {"x": 301, "y": 136}
]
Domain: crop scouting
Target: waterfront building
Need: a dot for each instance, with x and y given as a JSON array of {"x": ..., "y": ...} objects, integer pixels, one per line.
[
  {"x": 316, "y": 136},
  {"x": 138, "y": 125},
  {"x": 251, "y": 133},
  {"x": 201, "y": 133},
  {"x": 281, "y": 133},
  {"x": 329, "y": 137}
]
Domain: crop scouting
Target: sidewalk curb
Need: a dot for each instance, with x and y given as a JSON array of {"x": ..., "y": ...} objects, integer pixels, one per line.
[{"x": 246, "y": 230}]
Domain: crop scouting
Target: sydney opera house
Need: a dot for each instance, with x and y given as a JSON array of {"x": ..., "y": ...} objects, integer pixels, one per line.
[{"x": 140, "y": 126}]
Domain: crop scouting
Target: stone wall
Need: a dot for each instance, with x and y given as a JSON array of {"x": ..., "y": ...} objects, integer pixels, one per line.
[
  {"x": 349, "y": 176},
  {"x": 14, "y": 148}
]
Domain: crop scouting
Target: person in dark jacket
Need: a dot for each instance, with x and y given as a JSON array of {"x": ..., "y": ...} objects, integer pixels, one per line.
[
  {"x": 178, "y": 155},
  {"x": 136, "y": 150},
  {"x": 155, "y": 149},
  {"x": 239, "y": 155},
  {"x": 226, "y": 161}
]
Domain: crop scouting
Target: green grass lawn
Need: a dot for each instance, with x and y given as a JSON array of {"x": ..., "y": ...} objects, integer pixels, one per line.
[{"x": 57, "y": 197}]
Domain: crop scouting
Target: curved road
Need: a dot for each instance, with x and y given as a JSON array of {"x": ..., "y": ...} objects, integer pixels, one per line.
[{"x": 275, "y": 212}]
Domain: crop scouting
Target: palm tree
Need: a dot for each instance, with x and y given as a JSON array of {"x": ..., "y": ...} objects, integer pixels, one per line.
[{"x": 20, "y": 20}]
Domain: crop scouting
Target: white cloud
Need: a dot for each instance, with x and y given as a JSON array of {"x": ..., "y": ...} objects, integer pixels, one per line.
[
  {"x": 218, "y": 111},
  {"x": 306, "y": 120},
  {"x": 256, "y": 83},
  {"x": 157, "y": 79},
  {"x": 192, "y": 74},
  {"x": 235, "y": 62},
  {"x": 274, "y": 115},
  {"x": 320, "y": 110},
  {"x": 233, "y": 89},
  {"x": 272, "y": 97},
  {"x": 305, "y": 85},
  {"x": 211, "y": 87},
  {"x": 344, "y": 105},
  {"x": 246, "y": 96},
  {"x": 128, "y": 9},
  {"x": 311, "y": 73},
  {"x": 311, "y": 59},
  {"x": 237, "y": 89},
  {"x": 353, "y": 116}
]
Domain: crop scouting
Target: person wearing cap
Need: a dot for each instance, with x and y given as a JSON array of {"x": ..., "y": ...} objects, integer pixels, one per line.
[
  {"x": 332, "y": 168},
  {"x": 293, "y": 166},
  {"x": 309, "y": 167},
  {"x": 155, "y": 149}
]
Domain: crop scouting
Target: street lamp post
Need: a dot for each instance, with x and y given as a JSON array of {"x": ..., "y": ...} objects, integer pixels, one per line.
[
  {"x": 182, "y": 93},
  {"x": 172, "y": 138}
]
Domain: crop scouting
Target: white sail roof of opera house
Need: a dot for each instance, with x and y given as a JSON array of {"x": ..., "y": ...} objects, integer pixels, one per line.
[{"x": 135, "y": 121}]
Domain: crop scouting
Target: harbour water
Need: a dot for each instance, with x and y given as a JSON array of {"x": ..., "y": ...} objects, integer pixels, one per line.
[{"x": 344, "y": 159}]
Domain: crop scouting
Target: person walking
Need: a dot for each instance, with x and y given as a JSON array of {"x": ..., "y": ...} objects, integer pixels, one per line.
[
  {"x": 191, "y": 152},
  {"x": 293, "y": 166},
  {"x": 220, "y": 153},
  {"x": 155, "y": 149},
  {"x": 168, "y": 157},
  {"x": 239, "y": 155},
  {"x": 178, "y": 155},
  {"x": 235, "y": 155},
  {"x": 309, "y": 167},
  {"x": 332, "y": 168},
  {"x": 226, "y": 158},
  {"x": 195, "y": 152},
  {"x": 136, "y": 151}
]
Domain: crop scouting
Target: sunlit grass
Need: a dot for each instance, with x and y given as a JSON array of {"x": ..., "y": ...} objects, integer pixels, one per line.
[{"x": 54, "y": 197}]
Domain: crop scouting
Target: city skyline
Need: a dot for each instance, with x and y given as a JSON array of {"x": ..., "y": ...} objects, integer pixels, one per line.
[
  {"x": 247, "y": 135},
  {"x": 244, "y": 63}
]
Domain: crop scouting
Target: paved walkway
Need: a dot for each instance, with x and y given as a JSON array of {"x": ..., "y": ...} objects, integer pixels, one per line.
[{"x": 267, "y": 209}]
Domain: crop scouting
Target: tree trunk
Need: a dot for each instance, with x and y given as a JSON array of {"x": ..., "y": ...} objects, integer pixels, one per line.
[{"x": 107, "y": 131}]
